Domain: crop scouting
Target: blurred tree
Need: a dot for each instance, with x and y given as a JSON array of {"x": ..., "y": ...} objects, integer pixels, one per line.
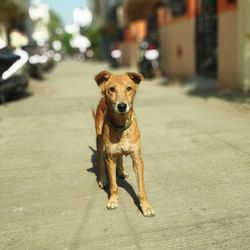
[
  {"x": 57, "y": 32},
  {"x": 94, "y": 35},
  {"x": 65, "y": 40},
  {"x": 55, "y": 26}
]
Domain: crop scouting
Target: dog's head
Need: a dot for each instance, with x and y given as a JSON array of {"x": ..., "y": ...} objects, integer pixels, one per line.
[{"x": 119, "y": 90}]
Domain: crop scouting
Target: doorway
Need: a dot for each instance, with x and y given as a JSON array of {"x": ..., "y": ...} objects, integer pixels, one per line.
[{"x": 206, "y": 38}]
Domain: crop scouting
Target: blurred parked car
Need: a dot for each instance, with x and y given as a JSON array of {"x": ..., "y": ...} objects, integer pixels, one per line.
[
  {"x": 41, "y": 60},
  {"x": 35, "y": 62},
  {"x": 13, "y": 72},
  {"x": 48, "y": 56}
]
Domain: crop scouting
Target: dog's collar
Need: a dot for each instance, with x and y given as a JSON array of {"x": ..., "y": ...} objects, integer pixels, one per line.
[{"x": 122, "y": 128}]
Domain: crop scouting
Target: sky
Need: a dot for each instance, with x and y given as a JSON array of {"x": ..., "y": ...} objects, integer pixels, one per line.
[{"x": 65, "y": 8}]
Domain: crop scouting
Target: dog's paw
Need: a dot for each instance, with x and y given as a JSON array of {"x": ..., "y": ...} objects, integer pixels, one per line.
[
  {"x": 102, "y": 182},
  {"x": 123, "y": 174},
  {"x": 112, "y": 203},
  {"x": 147, "y": 210}
]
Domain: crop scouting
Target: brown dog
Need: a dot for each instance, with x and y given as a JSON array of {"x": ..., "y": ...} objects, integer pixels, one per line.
[{"x": 118, "y": 132}]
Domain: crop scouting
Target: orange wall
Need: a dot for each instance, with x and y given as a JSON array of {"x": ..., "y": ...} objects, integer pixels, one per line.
[
  {"x": 177, "y": 48},
  {"x": 223, "y": 5},
  {"x": 177, "y": 41},
  {"x": 136, "y": 31},
  {"x": 165, "y": 17}
]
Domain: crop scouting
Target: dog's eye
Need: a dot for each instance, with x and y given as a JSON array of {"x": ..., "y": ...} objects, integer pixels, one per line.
[
  {"x": 112, "y": 89},
  {"x": 129, "y": 88}
]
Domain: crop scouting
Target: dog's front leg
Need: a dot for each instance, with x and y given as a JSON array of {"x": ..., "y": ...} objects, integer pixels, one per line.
[
  {"x": 113, "y": 198},
  {"x": 138, "y": 166}
]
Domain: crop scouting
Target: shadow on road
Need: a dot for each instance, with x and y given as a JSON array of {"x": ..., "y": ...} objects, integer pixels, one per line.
[
  {"x": 120, "y": 182},
  {"x": 207, "y": 88},
  {"x": 15, "y": 98}
]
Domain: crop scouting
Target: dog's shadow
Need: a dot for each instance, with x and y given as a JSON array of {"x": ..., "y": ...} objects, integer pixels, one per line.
[{"x": 120, "y": 181}]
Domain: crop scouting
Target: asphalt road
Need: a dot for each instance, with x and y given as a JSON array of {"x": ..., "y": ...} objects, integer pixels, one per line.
[{"x": 197, "y": 170}]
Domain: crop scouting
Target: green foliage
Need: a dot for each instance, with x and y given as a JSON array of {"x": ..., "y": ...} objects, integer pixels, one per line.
[
  {"x": 65, "y": 40},
  {"x": 57, "y": 32},
  {"x": 55, "y": 24},
  {"x": 94, "y": 35}
]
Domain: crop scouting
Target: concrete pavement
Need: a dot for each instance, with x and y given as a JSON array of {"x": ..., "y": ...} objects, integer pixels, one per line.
[{"x": 197, "y": 170}]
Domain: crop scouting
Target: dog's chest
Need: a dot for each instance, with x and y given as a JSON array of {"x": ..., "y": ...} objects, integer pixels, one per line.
[
  {"x": 119, "y": 148},
  {"x": 123, "y": 147}
]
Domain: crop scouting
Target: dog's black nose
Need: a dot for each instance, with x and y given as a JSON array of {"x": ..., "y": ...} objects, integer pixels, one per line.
[{"x": 122, "y": 107}]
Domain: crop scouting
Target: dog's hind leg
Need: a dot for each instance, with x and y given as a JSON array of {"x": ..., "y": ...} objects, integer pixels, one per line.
[
  {"x": 120, "y": 168},
  {"x": 102, "y": 180}
]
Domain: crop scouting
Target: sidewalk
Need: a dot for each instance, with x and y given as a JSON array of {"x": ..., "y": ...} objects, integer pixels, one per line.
[{"x": 197, "y": 170}]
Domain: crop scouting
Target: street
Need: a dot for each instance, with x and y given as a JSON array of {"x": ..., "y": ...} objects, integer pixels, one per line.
[{"x": 196, "y": 153}]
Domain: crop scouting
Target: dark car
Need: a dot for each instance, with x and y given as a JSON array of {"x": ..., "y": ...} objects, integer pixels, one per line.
[{"x": 13, "y": 72}]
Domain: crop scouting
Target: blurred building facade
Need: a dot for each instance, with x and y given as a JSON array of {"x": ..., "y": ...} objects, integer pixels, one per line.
[
  {"x": 209, "y": 38},
  {"x": 105, "y": 21},
  {"x": 200, "y": 37},
  {"x": 116, "y": 21},
  {"x": 15, "y": 26},
  {"x": 140, "y": 24}
]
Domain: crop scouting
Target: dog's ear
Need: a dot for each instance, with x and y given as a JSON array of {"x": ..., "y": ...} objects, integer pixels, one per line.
[
  {"x": 102, "y": 76},
  {"x": 135, "y": 77}
]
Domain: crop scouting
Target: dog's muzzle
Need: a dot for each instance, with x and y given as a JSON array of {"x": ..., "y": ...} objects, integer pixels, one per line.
[{"x": 122, "y": 107}]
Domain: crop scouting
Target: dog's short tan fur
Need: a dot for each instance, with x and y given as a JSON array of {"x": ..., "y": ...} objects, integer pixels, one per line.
[{"x": 117, "y": 131}]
